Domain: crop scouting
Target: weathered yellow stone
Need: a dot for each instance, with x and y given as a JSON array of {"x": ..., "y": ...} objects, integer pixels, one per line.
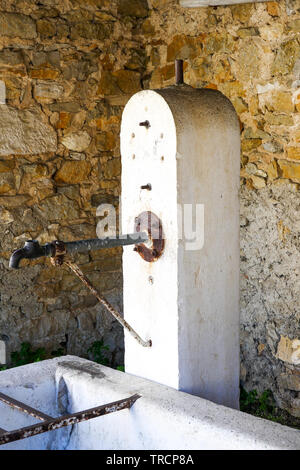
[
  {"x": 107, "y": 62},
  {"x": 13, "y": 201},
  {"x": 41, "y": 189},
  {"x": 105, "y": 141},
  {"x": 107, "y": 84},
  {"x": 215, "y": 42},
  {"x": 278, "y": 119},
  {"x": 250, "y": 60},
  {"x": 76, "y": 141},
  {"x": 108, "y": 184},
  {"x": 290, "y": 381},
  {"x": 73, "y": 172},
  {"x": 296, "y": 135},
  {"x": 280, "y": 101},
  {"x": 44, "y": 74},
  {"x": 32, "y": 174},
  {"x": 64, "y": 120},
  {"x": 184, "y": 47},
  {"x": 6, "y": 217},
  {"x": 246, "y": 32},
  {"x": 273, "y": 8},
  {"x": 212, "y": 86},
  {"x": 232, "y": 89},
  {"x": 121, "y": 81},
  {"x": 283, "y": 231},
  {"x": 160, "y": 3},
  {"x": 45, "y": 28},
  {"x": 6, "y": 165},
  {"x": 223, "y": 72},
  {"x": 147, "y": 28},
  {"x": 105, "y": 124},
  {"x": 298, "y": 103},
  {"x": 272, "y": 170},
  {"x": 288, "y": 350},
  {"x": 112, "y": 168},
  {"x": 289, "y": 170},
  {"x": 242, "y": 12},
  {"x": 294, "y": 26},
  {"x": 128, "y": 81},
  {"x": 286, "y": 57},
  {"x": 239, "y": 105},
  {"x": 250, "y": 144},
  {"x": 5, "y": 188},
  {"x": 136, "y": 8},
  {"x": 293, "y": 153},
  {"x": 258, "y": 182}
]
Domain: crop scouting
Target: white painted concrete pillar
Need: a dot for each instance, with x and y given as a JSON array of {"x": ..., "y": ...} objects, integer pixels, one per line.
[{"x": 186, "y": 302}]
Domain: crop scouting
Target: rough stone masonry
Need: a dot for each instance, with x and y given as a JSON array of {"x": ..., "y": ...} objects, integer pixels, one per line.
[{"x": 68, "y": 68}]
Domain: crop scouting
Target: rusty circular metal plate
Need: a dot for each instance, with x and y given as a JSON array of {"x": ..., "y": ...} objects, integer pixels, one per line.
[{"x": 149, "y": 222}]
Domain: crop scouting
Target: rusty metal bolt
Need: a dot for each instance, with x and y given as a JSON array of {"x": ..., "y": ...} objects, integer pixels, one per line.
[{"x": 145, "y": 124}]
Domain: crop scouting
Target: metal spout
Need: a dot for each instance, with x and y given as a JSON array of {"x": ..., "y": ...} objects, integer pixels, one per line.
[{"x": 31, "y": 250}]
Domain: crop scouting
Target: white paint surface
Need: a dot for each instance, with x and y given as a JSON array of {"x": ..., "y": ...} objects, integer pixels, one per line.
[
  {"x": 191, "y": 309},
  {"x": 163, "y": 418}
]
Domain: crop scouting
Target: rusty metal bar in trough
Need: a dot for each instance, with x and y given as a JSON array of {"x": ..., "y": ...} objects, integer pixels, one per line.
[
  {"x": 22, "y": 407},
  {"x": 66, "y": 420}
]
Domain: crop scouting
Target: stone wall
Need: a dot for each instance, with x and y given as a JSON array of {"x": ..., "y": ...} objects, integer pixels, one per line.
[
  {"x": 69, "y": 67},
  {"x": 59, "y": 159}
]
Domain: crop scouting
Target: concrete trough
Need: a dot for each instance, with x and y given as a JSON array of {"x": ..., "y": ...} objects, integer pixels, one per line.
[{"x": 163, "y": 418}]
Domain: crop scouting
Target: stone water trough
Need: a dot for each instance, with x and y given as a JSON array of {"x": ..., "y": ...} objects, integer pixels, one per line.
[{"x": 162, "y": 418}]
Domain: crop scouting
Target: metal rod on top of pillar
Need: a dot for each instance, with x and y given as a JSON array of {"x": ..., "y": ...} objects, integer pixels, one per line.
[{"x": 179, "y": 72}]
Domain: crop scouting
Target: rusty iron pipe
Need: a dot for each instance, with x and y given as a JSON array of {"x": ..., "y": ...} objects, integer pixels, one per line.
[{"x": 32, "y": 249}]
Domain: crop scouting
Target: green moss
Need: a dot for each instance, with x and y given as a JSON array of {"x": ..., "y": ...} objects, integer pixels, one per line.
[{"x": 264, "y": 406}]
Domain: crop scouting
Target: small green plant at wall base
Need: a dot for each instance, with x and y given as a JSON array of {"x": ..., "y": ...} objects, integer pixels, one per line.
[
  {"x": 58, "y": 352},
  {"x": 264, "y": 406},
  {"x": 260, "y": 405},
  {"x": 26, "y": 355},
  {"x": 97, "y": 351}
]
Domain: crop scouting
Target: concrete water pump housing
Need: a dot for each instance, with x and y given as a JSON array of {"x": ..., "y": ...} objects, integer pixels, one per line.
[{"x": 181, "y": 161}]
